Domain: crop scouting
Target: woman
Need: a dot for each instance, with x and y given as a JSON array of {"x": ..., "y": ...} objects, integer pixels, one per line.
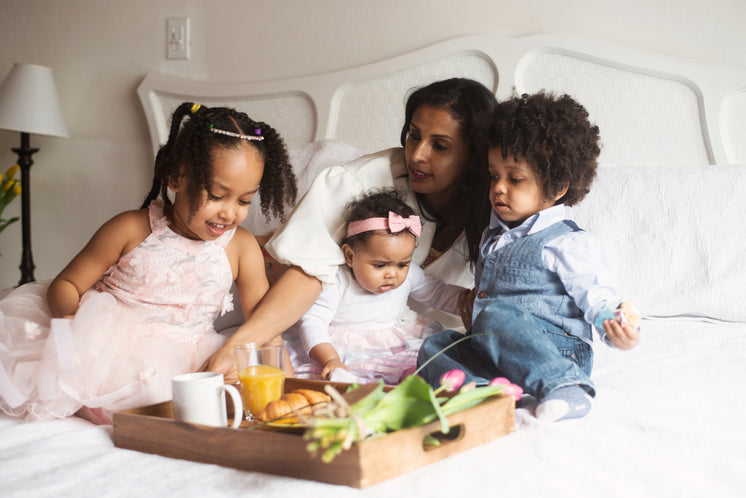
[{"x": 440, "y": 169}]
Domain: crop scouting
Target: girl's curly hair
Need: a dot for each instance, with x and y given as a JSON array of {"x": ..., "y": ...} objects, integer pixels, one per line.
[
  {"x": 554, "y": 136},
  {"x": 188, "y": 154},
  {"x": 374, "y": 204}
]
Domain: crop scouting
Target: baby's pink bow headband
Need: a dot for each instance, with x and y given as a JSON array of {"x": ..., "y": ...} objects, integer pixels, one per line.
[{"x": 394, "y": 223}]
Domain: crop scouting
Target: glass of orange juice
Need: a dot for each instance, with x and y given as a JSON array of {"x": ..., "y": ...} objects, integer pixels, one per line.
[{"x": 260, "y": 375}]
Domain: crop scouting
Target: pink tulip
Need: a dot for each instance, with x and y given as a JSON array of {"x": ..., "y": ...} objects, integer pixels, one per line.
[
  {"x": 452, "y": 380},
  {"x": 510, "y": 389},
  {"x": 514, "y": 390}
]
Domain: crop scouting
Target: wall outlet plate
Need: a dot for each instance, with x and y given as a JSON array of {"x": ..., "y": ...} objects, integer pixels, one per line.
[{"x": 177, "y": 38}]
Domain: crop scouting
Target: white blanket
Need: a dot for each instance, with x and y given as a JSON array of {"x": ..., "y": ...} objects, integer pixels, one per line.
[{"x": 668, "y": 421}]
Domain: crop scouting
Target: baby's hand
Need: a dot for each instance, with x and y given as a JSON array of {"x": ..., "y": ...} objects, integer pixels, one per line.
[
  {"x": 328, "y": 367},
  {"x": 465, "y": 306},
  {"x": 621, "y": 335}
]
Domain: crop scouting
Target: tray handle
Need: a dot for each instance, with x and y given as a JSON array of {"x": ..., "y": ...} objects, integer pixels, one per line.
[{"x": 437, "y": 440}]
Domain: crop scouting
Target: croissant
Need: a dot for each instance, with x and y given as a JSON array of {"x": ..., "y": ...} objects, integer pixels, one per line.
[{"x": 296, "y": 401}]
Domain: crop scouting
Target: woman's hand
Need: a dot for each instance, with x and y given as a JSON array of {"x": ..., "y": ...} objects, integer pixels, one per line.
[
  {"x": 621, "y": 336},
  {"x": 224, "y": 361},
  {"x": 282, "y": 305},
  {"x": 465, "y": 306}
]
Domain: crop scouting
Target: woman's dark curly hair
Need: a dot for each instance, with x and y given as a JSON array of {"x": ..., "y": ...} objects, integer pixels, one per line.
[
  {"x": 188, "y": 154},
  {"x": 470, "y": 104},
  {"x": 554, "y": 136},
  {"x": 374, "y": 204}
]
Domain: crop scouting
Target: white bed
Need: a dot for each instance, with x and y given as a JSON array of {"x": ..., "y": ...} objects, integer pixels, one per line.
[{"x": 668, "y": 420}]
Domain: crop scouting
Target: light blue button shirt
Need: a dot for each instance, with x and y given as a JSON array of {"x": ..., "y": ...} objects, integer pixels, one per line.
[{"x": 578, "y": 259}]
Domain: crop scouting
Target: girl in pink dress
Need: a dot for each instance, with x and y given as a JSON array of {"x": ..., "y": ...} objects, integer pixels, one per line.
[{"x": 135, "y": 307}]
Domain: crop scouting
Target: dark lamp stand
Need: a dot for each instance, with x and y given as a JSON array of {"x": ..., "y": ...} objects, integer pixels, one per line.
[{"x": 24, "y": 162}]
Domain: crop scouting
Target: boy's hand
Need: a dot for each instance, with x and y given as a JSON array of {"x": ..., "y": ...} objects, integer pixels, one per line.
[{"x": 621, "y": 336}]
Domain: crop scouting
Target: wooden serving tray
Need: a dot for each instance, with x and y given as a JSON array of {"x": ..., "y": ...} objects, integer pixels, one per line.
[{"x": 152, "y": 429}]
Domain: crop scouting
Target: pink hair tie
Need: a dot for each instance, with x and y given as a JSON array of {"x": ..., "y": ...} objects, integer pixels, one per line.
[{"x": 394, "y": 223}]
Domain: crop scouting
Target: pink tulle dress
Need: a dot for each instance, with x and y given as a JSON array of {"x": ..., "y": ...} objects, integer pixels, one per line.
[{"x": 148, "y": 319}]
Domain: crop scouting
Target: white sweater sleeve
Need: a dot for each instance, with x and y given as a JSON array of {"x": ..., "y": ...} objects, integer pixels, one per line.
[
  {"x": 434, "y": 292},
  {"x": 313, "y": 327}
]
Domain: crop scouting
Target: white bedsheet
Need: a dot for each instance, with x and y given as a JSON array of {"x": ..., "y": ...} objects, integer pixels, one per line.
[{"x": 668, "y": 421}]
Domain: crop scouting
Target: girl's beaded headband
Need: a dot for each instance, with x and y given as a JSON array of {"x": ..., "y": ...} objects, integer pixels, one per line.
[{"x": 258, "y": 134}]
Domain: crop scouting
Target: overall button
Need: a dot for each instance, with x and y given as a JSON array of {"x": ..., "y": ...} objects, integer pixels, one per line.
[{"x": 482, "y": 294}]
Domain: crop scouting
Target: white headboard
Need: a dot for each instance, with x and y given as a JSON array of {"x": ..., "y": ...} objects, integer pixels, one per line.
[{"x": 652, "y": 109}]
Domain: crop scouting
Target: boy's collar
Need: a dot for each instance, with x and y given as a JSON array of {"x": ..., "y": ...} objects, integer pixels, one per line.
[{"x": 533, "y": 223}]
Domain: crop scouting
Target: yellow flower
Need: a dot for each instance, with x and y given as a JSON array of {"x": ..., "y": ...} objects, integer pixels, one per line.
[
  {"x": 11, "y": 171},
  {"x": 9, "y": 190}
]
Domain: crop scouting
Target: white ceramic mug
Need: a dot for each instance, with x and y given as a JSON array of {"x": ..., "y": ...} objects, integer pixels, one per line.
[{"x": 199, "y": 398}]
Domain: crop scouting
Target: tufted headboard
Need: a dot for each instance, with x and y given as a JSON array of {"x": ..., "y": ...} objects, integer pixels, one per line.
[{"x": 652, "y": 109}]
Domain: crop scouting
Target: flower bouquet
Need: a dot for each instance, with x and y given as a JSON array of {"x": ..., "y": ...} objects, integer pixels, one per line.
[{"x": 412, "y": 403}]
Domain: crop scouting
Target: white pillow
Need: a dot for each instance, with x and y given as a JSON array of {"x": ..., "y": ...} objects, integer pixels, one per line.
[
  {"x": 307, "y": 160},
  {"x": 677, "y": 235}
]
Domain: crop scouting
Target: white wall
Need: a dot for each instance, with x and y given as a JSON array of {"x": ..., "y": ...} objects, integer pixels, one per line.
[{"x": 99, "y": 51}]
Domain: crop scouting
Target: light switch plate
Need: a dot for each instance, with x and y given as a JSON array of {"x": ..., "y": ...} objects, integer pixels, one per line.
[{"x": 177, "y": 38}]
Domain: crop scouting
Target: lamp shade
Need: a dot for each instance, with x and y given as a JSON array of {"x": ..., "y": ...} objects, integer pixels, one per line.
[{"x": 29, "y": 102}]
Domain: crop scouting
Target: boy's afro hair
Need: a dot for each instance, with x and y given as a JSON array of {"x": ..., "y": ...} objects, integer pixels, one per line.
[{"x": 553, "y": 134}]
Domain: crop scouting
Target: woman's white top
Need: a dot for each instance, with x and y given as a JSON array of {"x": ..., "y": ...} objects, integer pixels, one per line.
[{"x": 311, "y": 237}]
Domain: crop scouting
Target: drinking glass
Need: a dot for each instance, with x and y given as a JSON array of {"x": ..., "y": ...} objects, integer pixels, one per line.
[{"x": 261, "y": 375}]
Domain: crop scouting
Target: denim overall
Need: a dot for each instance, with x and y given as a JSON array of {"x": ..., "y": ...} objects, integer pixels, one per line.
[{"x": 524, "y": 325}]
